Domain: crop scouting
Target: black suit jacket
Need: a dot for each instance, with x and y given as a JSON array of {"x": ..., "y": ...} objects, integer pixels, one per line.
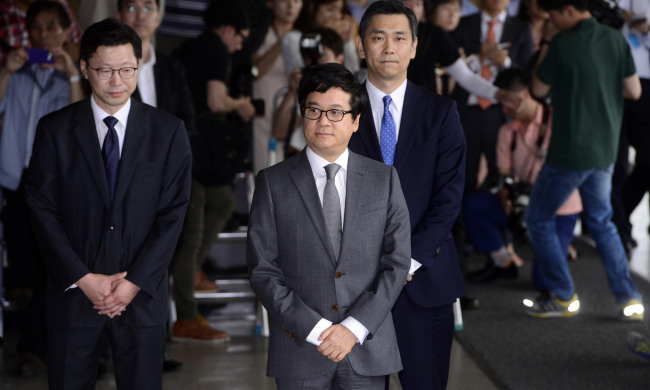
[
  {"x": 515, "y": 31},
  {"x": 172, "y": 90},
  {"x": 430, "y": 162},
  {"x": 80, "y": 231}
]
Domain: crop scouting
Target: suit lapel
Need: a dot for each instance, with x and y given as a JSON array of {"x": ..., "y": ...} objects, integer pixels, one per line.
[
  {"x": 302, "y": 177},
  {"x": 368, "y": 135},
  {"x": 408, "y": 125},
  {"x": 86, "y": 133},
  {"x": 507, "y": 35},
  {"x": 355, "y": 189},
  {"x": 135, "y": 130}
]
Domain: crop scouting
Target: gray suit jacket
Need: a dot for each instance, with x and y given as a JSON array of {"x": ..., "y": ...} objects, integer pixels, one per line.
[{"x": 297, "y": 278}]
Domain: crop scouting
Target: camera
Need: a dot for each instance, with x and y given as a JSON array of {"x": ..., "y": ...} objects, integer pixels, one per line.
[
  {"x": 311, "y": 48},
  {"x": 607, "y": 12}
]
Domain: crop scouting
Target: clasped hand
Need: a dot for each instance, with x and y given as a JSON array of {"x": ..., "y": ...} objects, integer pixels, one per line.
[
  {"x": 337, "y": 342},
  {"x": 110, "y": 294}
]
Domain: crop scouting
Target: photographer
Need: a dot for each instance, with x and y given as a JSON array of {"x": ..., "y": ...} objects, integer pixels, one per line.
[
  {"x": 321, "y": 46},
  {"x": 218, "y": 154}
]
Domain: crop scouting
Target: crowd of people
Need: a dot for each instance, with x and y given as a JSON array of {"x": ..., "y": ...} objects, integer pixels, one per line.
[{"x": 459, "y": 97}]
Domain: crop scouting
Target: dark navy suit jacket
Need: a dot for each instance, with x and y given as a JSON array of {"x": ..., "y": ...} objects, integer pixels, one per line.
[{"x": 430, "y": 161}]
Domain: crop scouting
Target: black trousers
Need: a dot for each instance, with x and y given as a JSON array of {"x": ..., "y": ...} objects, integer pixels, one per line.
[
  {"x": 424, "y": 337},
  {"x": 26, "y": 269},
  {"x": 73, "y": 354},
  {"x": 629, "y": 188},
  {"x": 481, "y": 129}
]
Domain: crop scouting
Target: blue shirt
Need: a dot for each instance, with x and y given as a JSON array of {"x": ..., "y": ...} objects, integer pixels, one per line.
[{"x": 32, "y": 92}]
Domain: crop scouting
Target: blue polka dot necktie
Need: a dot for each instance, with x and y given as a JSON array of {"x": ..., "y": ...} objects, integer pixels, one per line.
[
  {"x": 387, "y": 137},
  {"x": 111, "y": 154}
]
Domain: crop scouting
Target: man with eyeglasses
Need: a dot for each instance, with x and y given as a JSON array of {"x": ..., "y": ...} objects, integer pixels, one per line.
[
  {"x": 108, "y": 187},
  {"x": 29, "y": 89},
  {"x": 329, "y": 248}
]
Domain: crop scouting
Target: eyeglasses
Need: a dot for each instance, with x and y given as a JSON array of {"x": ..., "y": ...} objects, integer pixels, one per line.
[
  {"x": 107, "y": 73},
  {"x": 146, "y": 9},
  {"x": 333, "y": 115}
]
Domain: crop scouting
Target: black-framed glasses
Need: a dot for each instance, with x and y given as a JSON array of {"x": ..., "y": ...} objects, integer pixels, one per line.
[
  {"x": 107, "y": 73},
  {"x": 333, "y": 115}
]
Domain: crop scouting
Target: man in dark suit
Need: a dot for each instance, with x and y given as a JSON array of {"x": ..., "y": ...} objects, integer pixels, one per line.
[
  {"x": 419, "y": 133},
  {"x": 108, "y": 186},
  {"x": 328, "y": 249},
  {"x": 492, "y": 41}
]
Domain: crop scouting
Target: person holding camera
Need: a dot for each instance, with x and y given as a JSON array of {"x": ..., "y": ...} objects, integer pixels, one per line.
[
  {"x": 588, "y": 69},
  {"x": 271, "y": 76},
  {"x": 215, "y": 161},
  {"x": 33, "y": 82}
]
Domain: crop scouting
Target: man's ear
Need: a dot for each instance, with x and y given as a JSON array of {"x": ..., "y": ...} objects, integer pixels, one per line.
[
  {"x": 362, "y": 54},
  {"x": 84, "y": 69}
]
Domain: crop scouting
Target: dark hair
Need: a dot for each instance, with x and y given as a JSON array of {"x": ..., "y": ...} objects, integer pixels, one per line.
[
  {"x": 329, "y": 38},
  {"x": 108, "y": 32},
  {"x": 436, "y": 3},
  {"x": 388, "y": 7},
  {"x": 320, "y": 78},
  {"x": 559, "y": 5},
  {"x": 120, "y": 3},
  {"x": 512, "y": 79},
  {"x": 305, "y": 21},
  {"x": 40, "y": 6},
  {"x": 222, "y": 13}
]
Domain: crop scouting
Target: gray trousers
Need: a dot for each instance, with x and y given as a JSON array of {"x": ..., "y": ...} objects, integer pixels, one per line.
[{"x": 344, "y": 378}]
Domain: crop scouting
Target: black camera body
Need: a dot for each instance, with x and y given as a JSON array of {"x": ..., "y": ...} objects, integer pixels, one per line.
[
  {"x": 607, "y": 12},
  {"x": 311, "y": 48}
]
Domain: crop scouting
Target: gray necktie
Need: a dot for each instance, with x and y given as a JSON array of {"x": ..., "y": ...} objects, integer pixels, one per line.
[{"x": 332, "y": 208}]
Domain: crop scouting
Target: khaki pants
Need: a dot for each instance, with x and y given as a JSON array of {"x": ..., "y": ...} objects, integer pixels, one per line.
[{"x": 209, "y": 210}]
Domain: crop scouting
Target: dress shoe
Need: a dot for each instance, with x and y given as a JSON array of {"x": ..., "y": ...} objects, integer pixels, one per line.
[
  {"x": 197, "y": 330},
  {"x": 170, "y": 365},
  {"x": 469, "y": 303},
  {"x": 491, "y": 272},
  {"x": 29, "y": 365},
  {"x": 202, "y": 284}
]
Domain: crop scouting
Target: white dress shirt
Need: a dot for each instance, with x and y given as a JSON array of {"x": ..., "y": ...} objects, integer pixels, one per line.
[
  {"x": 147, "y": 81},
  {"x": 318, "y": 169},
  {"x": 473, "y": 60},
  {"x": 122, "y": 115}
]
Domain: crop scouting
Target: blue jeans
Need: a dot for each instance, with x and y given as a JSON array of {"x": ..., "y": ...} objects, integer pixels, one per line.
[{"x": 552, "y": 188}]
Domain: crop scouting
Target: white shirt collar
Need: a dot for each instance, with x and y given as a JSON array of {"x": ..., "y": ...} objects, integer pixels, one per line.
[
  {"x": 376, "y": 99},
  {"x": 501, "y": 17},
  {"x": 317, "y": 163},
  {"x": 121, "y": 115}
]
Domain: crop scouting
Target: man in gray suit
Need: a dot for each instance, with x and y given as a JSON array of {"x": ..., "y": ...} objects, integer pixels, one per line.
[{"x": 329, "y": 248}]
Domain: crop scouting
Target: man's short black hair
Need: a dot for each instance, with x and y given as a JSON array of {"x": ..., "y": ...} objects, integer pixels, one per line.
[
  {"x": 47, "y": 6},
  {"x": 559, "y": 5},
  {"x": 320, "y": 78},
  {"x": 222, "y": 13},
  {"x": 513, "y": 80},
  {"x": 108, "y": 32},
  {"x": 388, "y": 7},
  {"x": 120, "y": 3}
]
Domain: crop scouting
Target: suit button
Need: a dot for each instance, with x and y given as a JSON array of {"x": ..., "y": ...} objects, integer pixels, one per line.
[
  {"x": 111, "y": 226},
  {"x": 437, "y": 253},
  {"x": 335, "y": 308},
  {"x": 338, "y": 274}
]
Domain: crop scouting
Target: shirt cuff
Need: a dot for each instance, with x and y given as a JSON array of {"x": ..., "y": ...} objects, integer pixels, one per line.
[
  {"x": 357, "y": 328},
  {"x": 507, "y": 63},
  {"x": 74, "y": 285},
  {"x": 320, "y": 327},
  {"x": 415, "y": 265}
]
